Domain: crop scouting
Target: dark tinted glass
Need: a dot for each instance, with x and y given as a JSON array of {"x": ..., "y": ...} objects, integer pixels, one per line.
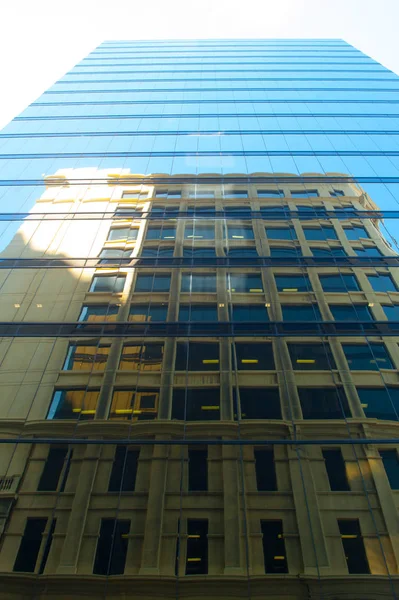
[
  {"x": 281, "y": 233},
  {"x": 380, "y": 403},
  {"x": 249, "y": 312},
  {"x": 301, "y": 312},
  {"x": 353, "y": 545},
  {"x": 392, "y": 312},
  {"x": 265, "y": 470},
  {"x": 194, "y": 356},
  {"x": 197, "y": 547},
  {"x": 371, "y": 357},
  {"x": 336, "y": 470},
  {"x": 311, "y": 357},
  {"x": 196, "y": 404},
  {"x": 30, "y": 545},
  {"x": 252, "y": 356},
  {"x": 339, "y": 283},
  {"x": 348, "y": 312},
  {"x": 382, "y": 283},
  {"x": 258, "y": 403},
  {"x": 274, "y": 547},
  {"x": 52, "y": 469},
  {"x": 391, "y": 466},
  {"x": 124, "y": 470},
  {"x": 148, "y": 312},
  {"x": 293, "y": 283},
  {"x": 355, "y": 233},
  {"x": 198, "y": 312},
  {"x": 157, "y": 282},
  {"x": 285, "y": 252},
  {"x": 197, "y": 469},
  {"x": 244, "y": 282},
  {"x": 323, "y": 403},
  {"x": 111, "y": 547},
  {"x": 200, "y": 283},
  {"x": 320, "y": 233},
  {"x": 368, "y": 252}
]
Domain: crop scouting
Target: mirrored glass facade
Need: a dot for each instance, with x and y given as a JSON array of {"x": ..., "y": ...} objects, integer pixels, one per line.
[{"x": 200, "y": 326}]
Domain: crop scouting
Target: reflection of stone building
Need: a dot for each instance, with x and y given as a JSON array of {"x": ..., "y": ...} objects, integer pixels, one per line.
[{"x": 246, "y": 275}]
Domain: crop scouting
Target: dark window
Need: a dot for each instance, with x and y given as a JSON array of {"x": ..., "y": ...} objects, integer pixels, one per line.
[
  {"x": 304, "y": 194},
  {"x": 382, "y": 283},
  {"x": 200, "y": 252},
  {"x": 241, "y": 252},
  {"x": 270, "y": 194},
  {"x": 301, "y": 312},
  {"x": 29, "y": 547},
  {"x": 336, "y": 470},
  {"x": 275, "y": 212},
  {"x": 86, "y": 358},
  {"x": 353, "y": 545},
  {"x": 199, "y": 232},
  {"x": 198, "y": 282},
  {"x": 281, "y": 233},
  {"x": 168, "y": 193},
  {"x": 197, "y": 547},
  {"x": 244, "y": 282},
  {"x": 392, "y": 312},
  {"x": 323, "y": 403},
  {"x": 198, "y": 312},
  {"x": 196, "y": 404},
  {"x": 280, "y": 252},
  {"x": 235, "y": 212},
  {"x": 161, "y": 233},
  {"x": 114, "y": 256},
  {"x": 99, "y": 312},
  {"x": 141, "y": 357},
  {"x": 336, "y": 193},
  {"x": 108, "y": 283},
  {"x": 73, "y": 404},
  {"x": 122, "y": 233},
  {"x": 154, "y": 282},
  {"x": 254, "y": 356},
  {"x": 368, "y": 252},
  {"x": 339, "y": 283},
  {"x": 320, "y": 233},
  {"x": 162, "y": 210},
  {"x": 157, "y": 252},
  {"x": 47, "y": 546},
  {"x": 391, "y": 466},
  {"x": 148, "y": 312},
  {"x": 311, "y": 357},
  {"x": 265, "y": 470},
  {"x": 293, "y": 283},
  {"x": 367, "y": 358},
  {"x": 197, "y": 469},
  {"x": 249, "y": 312},
  {"x": 140, "y": 404},
  {"x": 193, "y": 356},
  {"x": 274, "y": 547},
  {"x": 237, "y": 232},
  {"x": 235, "y": 194},
  {"x": 355, "y": 233},
  {"x": 349, "y": 312},
  {"x": 124, "y": 470},
  {"x": 52, "y": 469},
  {"x": 328, "y": 252},
  {"x": 202, "y": 211},
  {"x": 380, "y": 403},
  {"x": 111, "y": 547},
  {"x": 258, "y": 403}
]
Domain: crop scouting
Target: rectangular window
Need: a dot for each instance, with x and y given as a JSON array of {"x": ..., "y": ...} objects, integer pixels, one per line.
[
  {"x": 111, "y": 547},
  {"x": 235, "y": 212},
  {"x": 141, "y": 357},
  {"x": 99, "y": 312},
  {"x": 236, "y": 232},
  {"x": 161, "y": 233},
  {"x": 199, "y": 232},
  {"x": 270, "y": 194},
  {"x": 112, "y": 284},
  {"x": 311, "y": 357},
  {"x": 126, "y": 212},
  {"x": 349, "y": 312},
  {"x": 198, "y": 282},
  {"x": 367, "y": 358},
  {"x": 47, "y": 546},
  {"x": 193, "y": 356},
  {"x": 197, "y": 547},
  {"x": 339, "y": 283},
  {"x": 157, "y": 252},
  {"x": 241, "y": 252},
  {"x": 391, "y": 466},
  {"x": 73, "y": 404},
  {"x": 136, "y": 195},
  {"x": 281, "y": 233},
  {"x": 114, "y": 256},
  {"x": 199, "y": 252},
  {"x": 196, "y": 404},
  {"x": 323, "y": 403},
  {"x": 265, "y": 470},
  {"x": 137, "y": 405},
  {"x": 201, "y": 210},
  {"x": 198, "y": 312},
  {"x": 202, "y": 194},
  {"x": 336, "y": 470},
  {"x": 353, "y": 546},
  {"x": 274, "y": 547},
  {"x": 293, "y": 283},
  {"x": 304, "y": 193},
  {"x": 280, "y": 212},
  {"x": 197, "y": 469},
  {"x": 392, "y": 312},
  {"x": 355, "y": 233},
  {"x": 162, "y": 210},
  {"x": 124, "y": 470},
  {"x": 125, "y": 234},
  {"x": 336, "y": 193},
  {"x": 380, "y": 403},
  {"x": 168, "y": 193},
  {"x": 301, "y": 312},
  {"x": 86, "y": 358},
  {"x": 280, "y": 252},
  {"x": 148, "y": 312},
  {"x": 53, "y": 468},
  {"x": 244, "y": 282},
  {"x": 235, "y": 194},
  {"x": 257, "y": 403},
  {"x": 254, "y": 356},
  {"x": 364, "y": 252},
  {"x": 328, "y": 252},
  {"x": 29, "y": 547},
  {"x": 382, "y": 283},
  {"x": 152, "y": 282},
  {"x": 320, "y": 233},
  {"x": 249, "y": 313}
]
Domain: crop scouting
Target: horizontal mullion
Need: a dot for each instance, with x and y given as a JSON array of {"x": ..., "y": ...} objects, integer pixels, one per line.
[
  {"x": 217, "y": 101},
  {"x": 218, "y": 90},
  {"x": 208, "y": 115},
  {"x": 221, "y": 153}
]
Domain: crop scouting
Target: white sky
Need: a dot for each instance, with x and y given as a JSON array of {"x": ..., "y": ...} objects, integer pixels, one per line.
[{"x": 41, "y": 40}]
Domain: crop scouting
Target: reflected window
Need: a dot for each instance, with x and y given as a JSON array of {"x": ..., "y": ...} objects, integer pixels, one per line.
[
  {"x": 281, "y": 233},
  {"x": 112, "y": 546},
  {"x": 301, "y": 312},
  {"x": 391, "y": 466},
  {"x": 140, "y": 404},
  {"x": 328, "y": 252},
  {"x": 161, "y": 193},
  {"x": 112, "y": 284},
  {"x": 336, "y": 470},
  {"x": 235, "y": 194},
  {"x": 380, "y": 403},
  {"x": 275, "y": 212},
  {"x": 293, "y": 283},
  {"x": 88, "y": 357},
  {"x": 356, "y": 233},
  {"x": 199, "y": 232},
  {"x": 253, "y": 356},
  {"x": 382, "y": 283},
  {"x": 392, "y": 312},
  {"x": 197, "y": 469},
  {"x": 141, "y": 357},
  {"x": 244, "y": 282},
  {"x": 200, "y": 252},
  {"x": 274, "y": 553},
  {"x": 249, "y": 313},
  {"x": 270, "y": 194},
  {"x": 235, "y": 212},
  {"x": 161, "y": 233},
  {"x": 337, "y": 193},
  {"x": 135, "y": 195},
  {"x": 193, "y": 356},
  {"x": 202, "y": 194},
  {"x": 99, "y": 312},
  {"x": 371, "y": 357},
  {"x": 148, "y": 312},
  {"x": 30, "y": 545},
  {"x": 55, "y": 464},
  {"x": 339, "y": 283},
  {"x": 73, "y": 404},
  {"x": 304, "y": 193},
  {"x": 311, "y": 357},
  {"x": 281, "y": 252},
  {"x": 320, "y": 233},
  {"x": 323, "y": 403},
  {"x": 157, "y": 252},
  {"x": 265, "y": 470},
  {"x": 197, "y": 547},
  {"x": 198, "y": 282},
  {"x": 353, "y": 546},
  {"x": 163, "y": 210},
  {"x": 367, "y": 252},
  {"x": 128, "y": 212},
  {"x": 196, "y": 404},
  {"x": 349, "y": 312},
  {"x": 198, "y": 312},
  {"x": 123, "y": 233},
  {"x": 241, "y": 252},
  {"x": 257, "y": 403},
  {"x": 235, "y": 232},
  {"x": 201, "y": 210},
  {"x": 113, "y": 256},
  {"x": 124, "y": 470},
  {"x": 152, "y": 282}
]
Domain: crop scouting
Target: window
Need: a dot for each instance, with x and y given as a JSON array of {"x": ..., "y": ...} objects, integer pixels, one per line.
[
  {"x": 382, "y": 283},
  {"x": 274, "y": 547},
  {"x": 236, "y": 232},
  {"x": 304, "y": 193},
  {"x": 367, "y": 358},
  {"x": 196, "y": 404},
  {"x": 199, "y": 232},
  {"x": 157, "y": 252},
  {"x": 392, "y": 312},
  {"x": 353, "y": 546},
  {"x": 301, "y": 312},
  {"x": 265, "y": 470},
  {"x": 293, "y": 283},
  {"x": 257, "y": 403},
  {"x": 137, "y": 405},
  {"x": 254, "y": 356},
  {"x": 336, "y": 470},
  {"x": 355, "y": 233},
  {"x": 152, "y": 282},
  {"x": 99, "y": 312},
  {"x": 280, "y": 252},
  {"x": 311, "y": 357},
  {"x": 111, "y": 547},
  {"x": 328, "y": 252},
  {"x": 131, "y": 212},
  {"x": 311, "y": 212},
  {"x": 168, "y": 193},
  {"x": 235, "y": 212},
  {"x": 193, "y": 356},
  {"x": 320, "y": 233},
  {"x": 244, "y": 282},
  {"x": 201, "y": 210},
  {"x": 339, "y": 283},
  {"x": 364, "y": 252},
  {"x": 275, "y": 212},
  {"x": 199, "y": 252},
  {"x": 108, "y": 283},
  {"x": 391, "y": 466},
  {"x": 148, "y": 312},
  {"x": 73, "y": 404},
  {"x": 336, "y": 193},
  {"x": 163, "y": 210},
  {"x": 198, "y": 282},
  {"x": 198, "y": 312},
  {"x": 197, "y": 547},
  {"x": 323, "y": 403},
  {"x": 29, "y": 547},
  {"x": 349, "y": 312},
  {"x": 202, "y": 194},
  {"x": 47, "y": 546},
  {"x": 380, "y": 403},
  {"x": 124, "y": 470},
  {"x": 114, "y": 256},
  {"x": 86, "y": 358},
  {"x": 166, "y": 232},
  {"x": 135, "y": 195},
  {"x": 235, "y": 194},
  {"x": 249, "y": 313},
  {"x": 141, "y": 357},
  {"x": 197, "y": 469},
  {"x": 123, "y": 233},
  {"x": 270, "y": 194},
  {"x": 281, "y": 233},
  {"x": 53, "y": 468}
]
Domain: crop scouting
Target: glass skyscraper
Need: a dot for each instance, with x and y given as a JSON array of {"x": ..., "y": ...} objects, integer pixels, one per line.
[{"x": 199, "y": 291}]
